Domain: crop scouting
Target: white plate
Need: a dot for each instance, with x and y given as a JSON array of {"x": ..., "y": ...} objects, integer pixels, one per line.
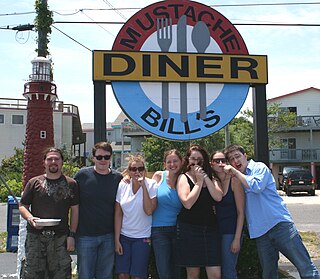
[{"x": 47, "y": 222}]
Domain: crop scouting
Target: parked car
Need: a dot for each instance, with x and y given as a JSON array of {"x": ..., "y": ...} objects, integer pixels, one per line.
[
  {"x": 283, "y": 176},
  {"x": 299, "y": 181}
]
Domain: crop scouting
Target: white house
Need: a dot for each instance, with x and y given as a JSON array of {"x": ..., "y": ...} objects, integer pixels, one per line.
[
  {"x": 13, "y": 116},
  {"x": 301, "y": 143}
]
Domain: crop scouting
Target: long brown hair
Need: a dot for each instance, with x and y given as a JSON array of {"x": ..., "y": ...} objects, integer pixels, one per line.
[{"x": 206, "y": 163}]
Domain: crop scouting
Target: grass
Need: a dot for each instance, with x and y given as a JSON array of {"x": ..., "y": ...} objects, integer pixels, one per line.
[{"x": 3, "y": 242}]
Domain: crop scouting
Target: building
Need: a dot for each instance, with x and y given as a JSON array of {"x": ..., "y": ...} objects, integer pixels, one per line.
[
  {"x": 300, "y": 144},
  {"x": 68, "y": 132},
  {"x": 124, "y": 135}
]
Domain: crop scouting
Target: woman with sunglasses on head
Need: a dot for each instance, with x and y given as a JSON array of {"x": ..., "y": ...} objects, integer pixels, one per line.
[
  {"x": 230, "y": 215},
  {"x": 164, "y": 218},
  {"x": 198, "y": 240},
  {"x": 135, "y": 203}
]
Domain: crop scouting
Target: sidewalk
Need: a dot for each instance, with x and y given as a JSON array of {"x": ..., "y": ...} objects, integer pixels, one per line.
[
  {"x": 8, "y": 266},
  {"x": 287, "y": 269}
]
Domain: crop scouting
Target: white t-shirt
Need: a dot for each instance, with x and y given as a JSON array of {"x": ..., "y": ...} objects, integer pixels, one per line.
[{"x": 135, "y": 223}]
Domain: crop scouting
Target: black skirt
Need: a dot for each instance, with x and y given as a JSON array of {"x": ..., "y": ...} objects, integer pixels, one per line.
[{"x": 197, "y": 246}]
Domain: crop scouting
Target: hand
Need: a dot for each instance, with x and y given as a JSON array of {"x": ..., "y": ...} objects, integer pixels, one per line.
[
  {"x": 31, "y": 221},
  {"x": 228, "y": 169},
  {"x": 141, "y": 178},
  {"x": 199, "y": 173},
  {"x": 235, "y": 246},
  {"x": 70, "y": 244},
  {"x": 118, "y": 248},
  {"x": 126, "y": 179}
]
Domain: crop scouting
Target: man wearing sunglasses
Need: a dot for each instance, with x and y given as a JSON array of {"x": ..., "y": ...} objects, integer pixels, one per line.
[{"x": 95, "y": 235}]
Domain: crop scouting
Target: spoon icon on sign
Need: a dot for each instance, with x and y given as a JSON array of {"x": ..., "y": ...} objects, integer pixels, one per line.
[{"x": 200, "y": 38}]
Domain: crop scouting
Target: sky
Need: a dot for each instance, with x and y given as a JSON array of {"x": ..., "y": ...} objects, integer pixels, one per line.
[{"x": 293, "y": 52}]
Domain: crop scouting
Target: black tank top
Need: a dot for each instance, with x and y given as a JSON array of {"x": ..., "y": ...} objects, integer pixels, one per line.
[{"x": 203, "y": 210}]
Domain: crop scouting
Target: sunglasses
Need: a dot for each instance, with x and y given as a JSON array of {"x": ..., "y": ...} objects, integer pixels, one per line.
[
  {"x": 100, "y": 157},
  {"x": 218, "y": 161},
  {"x": 134, "y": 169}
]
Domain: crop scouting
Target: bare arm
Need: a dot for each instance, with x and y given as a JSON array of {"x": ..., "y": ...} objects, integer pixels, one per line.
[
  {"x": 187, "y": 197},
  {"x": 214, "y": 189},
  {"x": 234, "y": 172},
  {"x": 74, "y": 217},
  {"x": 239, "y": 197},
  {"x": 157, "y": 176},
  {"x": 118, "y": 215},
  {"x": 149, "y": 205},
  {"x": 26, "y": 214}
]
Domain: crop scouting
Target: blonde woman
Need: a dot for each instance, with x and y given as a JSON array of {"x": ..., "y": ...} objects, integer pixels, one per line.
[{"x": 135, "y": 203}]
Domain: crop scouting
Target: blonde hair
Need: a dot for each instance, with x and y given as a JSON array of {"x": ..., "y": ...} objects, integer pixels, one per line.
[{"x": 133, "y": 159}]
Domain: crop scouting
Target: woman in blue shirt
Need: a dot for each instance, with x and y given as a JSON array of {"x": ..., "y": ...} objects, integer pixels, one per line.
[
  {"x": 164, "y": 218},
  {"x": 230, "y": 215}
]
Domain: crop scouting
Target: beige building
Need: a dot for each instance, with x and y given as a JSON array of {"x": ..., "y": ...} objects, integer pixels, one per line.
[
  {"x": 300, "y": 145},
  {"x": 13, "y": 116}
]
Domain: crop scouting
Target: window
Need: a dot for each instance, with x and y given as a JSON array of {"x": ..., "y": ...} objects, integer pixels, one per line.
[
  {"x": 17, "y": 119},
  {"x": 1, "y": 118}
]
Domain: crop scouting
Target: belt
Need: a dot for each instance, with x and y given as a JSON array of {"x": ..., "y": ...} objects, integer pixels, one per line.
[{"x": 48, "y": 233}]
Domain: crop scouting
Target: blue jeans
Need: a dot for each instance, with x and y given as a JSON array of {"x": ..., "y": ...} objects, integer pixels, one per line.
[
  {"x": 285, "y": 238},
  {"x": 228, "y": 259},
  {"x": 163, "y": 243},
  {"x": 95, "y": 256}
]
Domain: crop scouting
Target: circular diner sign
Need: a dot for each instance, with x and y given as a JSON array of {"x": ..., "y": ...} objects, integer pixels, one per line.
[{"x": 178, "y": 38}]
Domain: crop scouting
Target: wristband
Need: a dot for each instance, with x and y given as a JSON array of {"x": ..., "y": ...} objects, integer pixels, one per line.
[
  {"x": 72, "y": 234},
  {"x": 205, "y": 175}
]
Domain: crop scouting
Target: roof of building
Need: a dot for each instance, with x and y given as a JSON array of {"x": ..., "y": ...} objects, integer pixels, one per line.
[
  {"x": 120, "y": 119},
  {"x": 294, "y": 93},
  {"x": 90, "y": 126}
]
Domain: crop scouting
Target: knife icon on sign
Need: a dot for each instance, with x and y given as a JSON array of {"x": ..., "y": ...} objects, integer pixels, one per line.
[{"x": 182, "y": 47}]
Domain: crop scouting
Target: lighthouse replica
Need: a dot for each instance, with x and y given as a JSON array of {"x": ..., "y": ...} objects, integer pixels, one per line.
[{"x": 41, "y": 94}]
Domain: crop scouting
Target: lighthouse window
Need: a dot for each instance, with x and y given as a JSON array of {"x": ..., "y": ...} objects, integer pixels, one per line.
[
  {"x": 1, "y": 118},
  {"x": 17, "y": 119}
]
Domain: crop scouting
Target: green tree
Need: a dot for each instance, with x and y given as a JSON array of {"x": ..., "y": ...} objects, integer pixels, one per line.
[
  {"x": 279, "y": 120},
  {"x": 11, "y": 167},
  {"x": 11, "y": 171},
  {"x": 241, "y": 131}
]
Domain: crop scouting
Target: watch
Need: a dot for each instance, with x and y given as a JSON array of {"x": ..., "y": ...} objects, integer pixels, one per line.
[{"x": 72, "y": 234}]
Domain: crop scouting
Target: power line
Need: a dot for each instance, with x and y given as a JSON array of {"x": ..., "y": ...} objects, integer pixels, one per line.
[
  {"x": 249, "y": 24},
  {"x": 114, "y": 9},
  {"x": 94, "y": 22},
  {"x": 71, "y": 38},
  {"x": 139, "y": 8}
]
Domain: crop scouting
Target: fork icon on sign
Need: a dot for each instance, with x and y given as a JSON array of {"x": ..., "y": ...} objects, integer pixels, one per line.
[{"x": 164, "y": 38}]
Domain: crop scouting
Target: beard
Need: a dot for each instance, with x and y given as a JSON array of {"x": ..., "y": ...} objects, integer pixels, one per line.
[{"x": 53, "y": 169}]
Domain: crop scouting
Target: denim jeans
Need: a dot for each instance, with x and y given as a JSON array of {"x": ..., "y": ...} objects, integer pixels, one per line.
[
  {"x": 163, "y": 243},
  {"x": 285, "y": 238},
  {"x": 95, "y": 256},
  {"x": 228, "y": 259}
]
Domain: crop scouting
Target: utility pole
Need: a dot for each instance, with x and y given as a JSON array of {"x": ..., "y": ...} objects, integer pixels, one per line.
[{"x": 42, "y": 36}]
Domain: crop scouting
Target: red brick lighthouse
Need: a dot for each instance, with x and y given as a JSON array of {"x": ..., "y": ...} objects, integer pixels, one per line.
[{"x": 41, "y": 94}]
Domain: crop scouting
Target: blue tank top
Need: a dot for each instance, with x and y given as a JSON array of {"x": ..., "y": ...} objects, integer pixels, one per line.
[
  {"x": 168, "y": 206},
  {"x": 227, "y": 213}
]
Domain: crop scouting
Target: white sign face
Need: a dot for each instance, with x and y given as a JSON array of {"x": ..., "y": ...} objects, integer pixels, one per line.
[{"x": 180, "y": 110}]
